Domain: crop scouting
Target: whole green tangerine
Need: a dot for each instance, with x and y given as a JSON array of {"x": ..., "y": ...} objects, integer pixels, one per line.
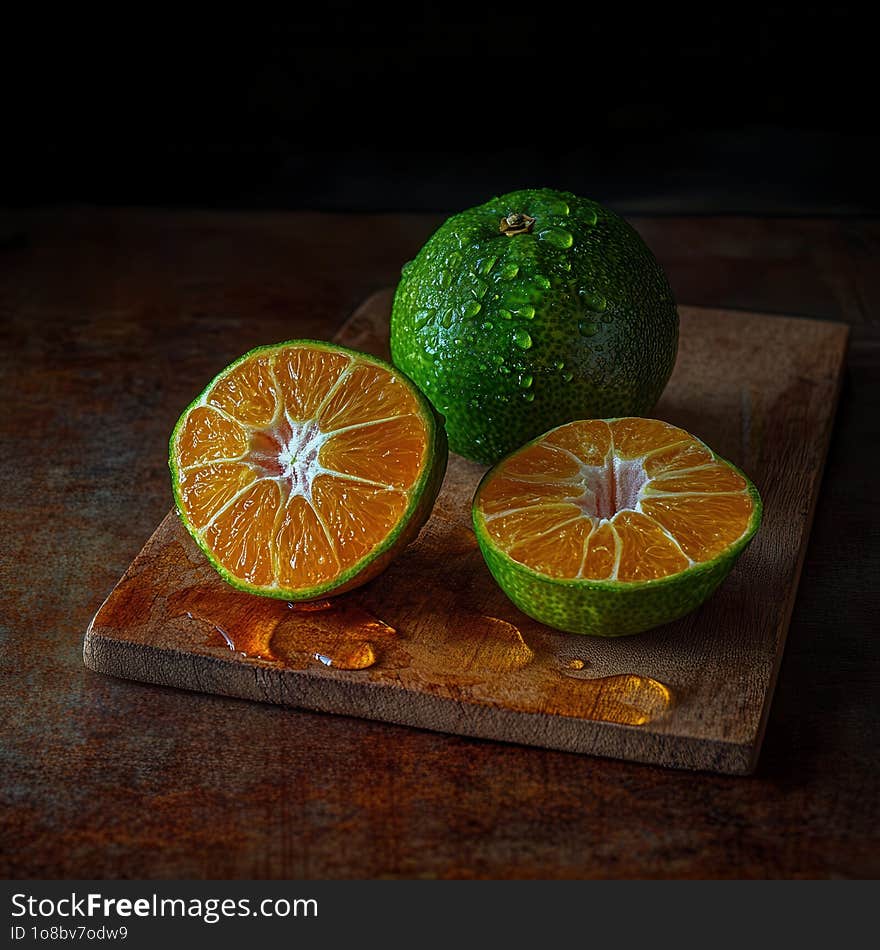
[{"x": 540, "y": 286}]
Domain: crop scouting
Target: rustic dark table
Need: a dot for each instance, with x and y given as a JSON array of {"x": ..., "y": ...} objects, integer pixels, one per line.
[{"x": 111, "y": 321}]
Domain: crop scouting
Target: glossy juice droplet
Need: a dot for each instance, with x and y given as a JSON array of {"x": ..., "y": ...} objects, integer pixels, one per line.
[
  {"x": 627, "y": 698},
  {"x": 527, "y": 312},
  {"x": 526, "y": 380},
  {"x": 482, "y": 643},
  {"x": 522, "y": 338},
  {"x": 472, "y": 309},
  {"x": 447, "y": 318},
  {"x": 509, "y": 271},
  {"x": 357, "y": 656},
  {"x": 575, "y": 664},
  {"x": 558, "y": 237},
  {"x": 486, "y": 265},
  {"x": 338, "y": 634},
  {"x": 529, "y": 396},
  {"x": 541, "y": 281}
]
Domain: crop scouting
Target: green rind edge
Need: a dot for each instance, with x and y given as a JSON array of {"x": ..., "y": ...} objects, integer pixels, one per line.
[{"x": 422, "y": 494}]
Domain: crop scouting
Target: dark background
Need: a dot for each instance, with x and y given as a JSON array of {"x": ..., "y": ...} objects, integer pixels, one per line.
[{"x": 725, "y": 108}]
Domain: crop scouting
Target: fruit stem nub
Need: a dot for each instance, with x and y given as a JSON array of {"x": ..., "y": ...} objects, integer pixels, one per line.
[{"x": 516, "y": 223}]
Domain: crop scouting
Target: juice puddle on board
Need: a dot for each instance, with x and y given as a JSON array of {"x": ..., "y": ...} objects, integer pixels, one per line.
[{"x": 342, "y": 636}]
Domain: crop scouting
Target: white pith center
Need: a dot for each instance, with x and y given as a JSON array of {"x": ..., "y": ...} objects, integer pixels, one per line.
[
  {"x": 612, "y": 487},
  {"x": 298, "y": 458}
]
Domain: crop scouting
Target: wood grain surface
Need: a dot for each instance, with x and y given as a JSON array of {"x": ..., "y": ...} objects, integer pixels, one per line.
[
  {"x": 109, "y": 321},
  {"x": 694, "y": 694}
]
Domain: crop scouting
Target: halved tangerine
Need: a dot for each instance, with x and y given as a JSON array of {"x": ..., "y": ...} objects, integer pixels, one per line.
[
  {"x": 613, "y": 526},
  {"x": 305, "y": 467}
]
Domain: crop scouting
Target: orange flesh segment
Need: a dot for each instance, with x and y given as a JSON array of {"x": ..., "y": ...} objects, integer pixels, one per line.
[
  {"x": 298, "y": 463},
  {"x": 601, "y": 554},
  {"x": 353, "y": 451},
  {"x": 248, "y": 393},
  {"x": 206, "y": 436},
  {"x": 304, "y": 378},
  {"x": 629, "y": 500}
]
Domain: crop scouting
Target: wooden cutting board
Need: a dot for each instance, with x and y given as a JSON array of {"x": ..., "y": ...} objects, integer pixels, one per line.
[{"x": 440, "y": 647}]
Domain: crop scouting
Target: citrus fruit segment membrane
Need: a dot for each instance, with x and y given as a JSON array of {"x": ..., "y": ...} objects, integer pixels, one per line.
[
  {"x": 304, "y": 377},
  {"x": 205, "y": 490},
  {"x": 366, "y": 396},
  {"x": 524, "y": 524},
  {"x": 558, "y": 553},
  {"x": 627, "y": 500},
  {"x": 247, "y": 393},
  {"x": 510, "y": 494},
  {"x": 646, "y": 550},
  {"x": 240, "y": 536},
  {"x": 703, "y": 525},
  {"x": 390, "y": 452},
  {"x": 600, "y": 558},
  {"x": 355, "y": 514},
  {"x": 540, "y": 461},
  {"x": 306, "y": 555},
  {"x": 635, "y": 438},
  {"x": 590, "y": 442},
  {"x": 675, "y": 457},
  {"x": 206, "y": 436},
  {"x": 711, "y": 478},
  {"x": 298, "y": 462}
]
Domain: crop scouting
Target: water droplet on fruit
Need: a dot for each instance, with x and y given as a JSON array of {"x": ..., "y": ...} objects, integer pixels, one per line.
[
  {"x": 588, "y": 328},
  {"x": 447, "y": 318},
  {"x": 559, "y": 364},
  {"x": 522, "y": 339},
  {"x": 565, "y": 265},
  {"x": 542, "y": 281},
  {"x": 498, "y": 359},
  {"x": 472, "y": 309},
  {"x": 595, "y": 302},
  {"x": 528, "y": 312},
  {"x": 526, "y": 381},
  {"x": 509, "y": 271},
  {"x": 485, "y": 265},
  {"x": 479, "y": 289},
  {"x": 444, "y": 278},
  {"x": 505, "y": 314},
  {"x": 487, "y": 325},
  {"x": 529, "y": 396},
  {"x": 558, "y": 237},
  {"x": 568, "y": 376},
  {"x": 424, "y": 318},
  {"x": 575, "y": 664},
  {"x": 453, "y": 260},
  {"x": 483, "y": 367},
  {"x": 554, "y": 206},
  {"x": 590, "y": 217}
]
